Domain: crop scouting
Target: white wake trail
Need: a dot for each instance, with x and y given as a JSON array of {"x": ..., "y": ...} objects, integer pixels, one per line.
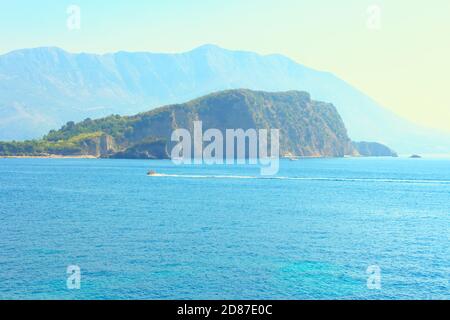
[{"x": 332, "y": 179}]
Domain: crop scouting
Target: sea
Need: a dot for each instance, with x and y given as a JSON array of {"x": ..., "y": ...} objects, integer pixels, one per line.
[{"x": 350, "y": 228}]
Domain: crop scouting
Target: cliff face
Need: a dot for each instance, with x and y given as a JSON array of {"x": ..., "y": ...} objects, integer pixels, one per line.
[
  {"x": 152, "y": 149},
  {"x": 307, "y": 127},
  {"x": 98, "y": 146}
]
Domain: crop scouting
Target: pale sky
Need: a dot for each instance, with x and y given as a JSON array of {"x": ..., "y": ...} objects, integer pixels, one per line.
[{"x": 404, "y": 64}]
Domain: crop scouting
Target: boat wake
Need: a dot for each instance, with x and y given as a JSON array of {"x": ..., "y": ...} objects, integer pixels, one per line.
[{"x": 331, "y": 179}]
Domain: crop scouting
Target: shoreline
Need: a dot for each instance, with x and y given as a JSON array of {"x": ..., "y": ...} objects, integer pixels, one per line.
[
  {"x": 49, "y": 157},
  {"x": 296, "y": 158}
]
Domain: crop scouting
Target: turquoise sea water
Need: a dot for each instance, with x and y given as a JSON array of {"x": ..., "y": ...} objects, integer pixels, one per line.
[{"x": 222, "y": 232}]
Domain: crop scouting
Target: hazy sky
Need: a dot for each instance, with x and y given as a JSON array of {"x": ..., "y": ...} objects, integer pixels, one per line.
[{"x": 402, "y": 59}]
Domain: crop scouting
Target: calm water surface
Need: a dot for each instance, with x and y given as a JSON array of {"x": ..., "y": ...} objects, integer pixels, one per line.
[{"x": 223, "y": 232}]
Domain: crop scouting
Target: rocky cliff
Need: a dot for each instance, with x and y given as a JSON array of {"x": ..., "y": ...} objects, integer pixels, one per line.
[
  {"x": 374, "y": 149},
  {"x": 307, "y": 127}
]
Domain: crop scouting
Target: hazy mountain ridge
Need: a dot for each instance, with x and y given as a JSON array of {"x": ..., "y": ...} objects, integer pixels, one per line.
[
  {"x": 43, "y": 88},
  {"x": 373, "y": 149},
  {"x": 307, "y": 127}
]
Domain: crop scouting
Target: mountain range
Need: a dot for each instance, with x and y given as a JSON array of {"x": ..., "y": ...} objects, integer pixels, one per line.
[{"x": 43, "y": 88}]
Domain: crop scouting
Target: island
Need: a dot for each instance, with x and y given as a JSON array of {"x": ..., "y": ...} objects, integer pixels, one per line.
[{"x": 308, "y": 128}]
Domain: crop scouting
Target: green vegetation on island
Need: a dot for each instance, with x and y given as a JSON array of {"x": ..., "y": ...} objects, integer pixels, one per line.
[{"x": 307, "y": 128}]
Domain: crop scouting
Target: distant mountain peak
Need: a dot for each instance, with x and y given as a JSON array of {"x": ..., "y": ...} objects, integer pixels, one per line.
[
  {"x": 39, "y": 50},
  {"x": 209, "y": 47}
]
